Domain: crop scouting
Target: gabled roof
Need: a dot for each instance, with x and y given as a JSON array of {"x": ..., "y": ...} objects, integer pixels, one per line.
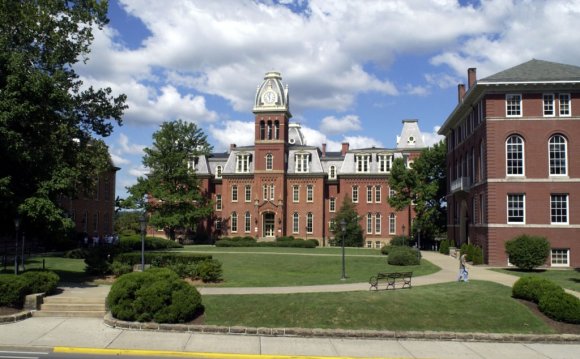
[{"x": 536, "y": 71}]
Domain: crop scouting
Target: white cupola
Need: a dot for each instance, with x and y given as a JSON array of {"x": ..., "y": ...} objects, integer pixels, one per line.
[{"x": 272, "y": 95}]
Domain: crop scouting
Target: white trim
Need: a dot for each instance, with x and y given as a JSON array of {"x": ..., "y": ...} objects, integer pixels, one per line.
[
  {"x": 569, "y": 105},
  {"x": 567, "y": 257},
  {"x": 520, "y": 105},
  {"x": 553, "y": 104},
  {"x": 565, "y": 156},
  {"x": 567, "y": 196},
  {"x": 508, "y": 207}
]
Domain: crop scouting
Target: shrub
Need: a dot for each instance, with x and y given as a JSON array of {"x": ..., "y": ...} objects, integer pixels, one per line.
[
  {"x": 159, "y": 259},
  {"x": 119, "y": 268},
  {"x": 386, "y": 249},
  {"x": 477, "y": 255},
  {"x": 13, "y": 289},
  {"x": 157, "y": 294},
  {"x": 133, "y": 243},
  {"x": 444, "y": 247},
  {"x": 39, "y": 281},
  {"x": 404, "y": 256},
  {"x": 400, "y": 241},
  {"x": 184, "y": 270},
  {"x": 527, "y": 252},
  {"x": 279, "y": 242},
  {"x": 98, "y": 261},
  {"x": 209, "y": 270},
  {"x": 533, "y": 288},
  {"x": 77, "y": 253},
  {"x": 560, "y": 306}
]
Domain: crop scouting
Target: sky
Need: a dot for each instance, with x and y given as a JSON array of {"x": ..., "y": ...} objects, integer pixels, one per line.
[{"x": 355, "y": 69}]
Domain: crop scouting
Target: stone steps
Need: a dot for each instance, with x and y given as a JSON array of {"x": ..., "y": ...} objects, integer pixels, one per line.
[{"x": 72, "y": 306}]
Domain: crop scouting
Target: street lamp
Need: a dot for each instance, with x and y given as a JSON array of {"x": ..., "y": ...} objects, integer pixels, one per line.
[
  {"x": 143, "y": 222},
  {"x": 343, "y": 231},
  {"x": 17, "y": 227}
]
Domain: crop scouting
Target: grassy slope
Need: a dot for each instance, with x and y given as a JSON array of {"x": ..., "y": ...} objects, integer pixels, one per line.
[{"x": 567, "y": 278}]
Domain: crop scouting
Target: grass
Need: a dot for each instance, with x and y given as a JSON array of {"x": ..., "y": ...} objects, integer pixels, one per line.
[
  {"x": 310, "y": 251},
  {"x": 69, "y": 270},
  {"x": 567, "y": 278},
  {"x": 476, "y": 306}
]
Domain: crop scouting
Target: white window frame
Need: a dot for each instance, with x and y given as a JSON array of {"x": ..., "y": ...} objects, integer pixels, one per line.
[
  {"x": 369, "y": 194},
  {"x": 551, "y": 160},
  {"x": 332, "y": 204},
  {"x": 248, "y": 193},
  {"x": 378, "y": 244},
  {"x": 301, "y": 164},
  {"x": 247, "y": 222},
  {"x": 516, "y": 202},
  {"x": 369, "y": 244},
  {"x": 567, "y": 257},
  {"x": 235, "y": 193},
  {"x": 295, "y": 222},
  {"x": 310, "y": 193},
  {"x": 378, "y": 223},
  {"x": 548, "y": 105},
  {"x": 568, "y": 105},
  {"x": 385, "y": 162},
  {"x": 269, "y": 162},
  {"x": 309, "y": 223},
  {"x": 272, "y": 191},
  {"x": 378, "y": 194},
  {"x": 332, "y": 172},
  {"x": 512, "y": 106},
  {"x": 243, "y": 163},
  {"x": 362, "y": 163},
  {"x": 369, "y": 223},
  {"x": 218, "y": 172},
  {"x": 295, "y": 193},
  {"x": 218, "y": 202},
  {"x": 354, "y": 194},
  {"x": 564, "y": 209},
  {"x": 234, "y": 222},
  {"x": 392, "y": 223},
  {"x": 521, "y": 151}
]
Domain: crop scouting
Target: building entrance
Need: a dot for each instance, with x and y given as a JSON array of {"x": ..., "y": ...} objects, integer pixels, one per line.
[{"x": 268, "y": 224}]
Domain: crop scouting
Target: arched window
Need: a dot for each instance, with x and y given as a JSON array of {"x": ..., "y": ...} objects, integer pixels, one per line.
[
  {"x": 277, "y": 130},
  {"x": 392, "y": 223},
  {"x": 295, "y": 223},
  {"x": 269, "y": 130},
  {"x": 218, "y": 172},
  {"x": 378, "y": 223},
  {"x": 558, "y": 162},
  {"x": 369, "y": 223},
  {"x": 234, "y": 222},
  {"x": 262, "y": 130},
  {"x": 269, "y": 162},
  {"x": 332, "y": 172},
  {"x": 248, "y": 223},
  {"x": 514, "y": 156},
  {"x": 309, "y": 222}
]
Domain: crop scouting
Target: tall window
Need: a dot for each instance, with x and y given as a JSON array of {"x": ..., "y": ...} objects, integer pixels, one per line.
[
  {"x": 369, "y": 223},
  {"x": 557, "y": 149},
  {"x": 269, "y": 162},
  {"x": 513, "y": 103},
  {"x": 378, "y": 223},
  {"x": 481, "y": 161},
  {"x": 218, "y": 172},
  {"x": 565, "y": 104},
  {"x": 481, "y": 209},
  {"x": 234, "y": 193},
  {"x": 355, "y": 194},
  {"x": 362, "y": 163},
  {"x": 392, "y": 223},
  {"x": 234, "y": 222},
  {"x": 243, "y": 163},
  {"x": 276, "y": 130},
  {"x": 265, "y": 192},
  {"x": 549, "y": 105},
  {"x": 248, "y": 222},
  {"x": 514, "y": 156},
  {"x": 560, "y": 257},
  {"x": 262, "y": 130},
  {"x": 309, "y": 222},
  {"x": 295, "y": 193},
  {"x": 248, "y": 193},
  {"x": 391, "y": 192},
  {"x": 332, "y": 204},
  {"x": 272, "y": 187},
  {"x": 301, "y": 162},
  {"x": 218, "y": 202},
  {"x": 516, "y": 208},
  {"x": 218, "y": 224},
  {"x": 559, "y": 208},
  {"x": 332, "y": 172},
  {"x": 309, "y": 193},
  {"x": 295, "y": 223},
  {"x": 378, "y": 194},
  {"x": 385, "y": 162},
  {"x": 369, "y": 194}
]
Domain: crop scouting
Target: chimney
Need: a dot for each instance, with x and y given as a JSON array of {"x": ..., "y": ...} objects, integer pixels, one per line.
[
  {"x": 344, "y": 149},
  {"x": 460, "y": 92},
  {"x": 323, "y": 150},
  {"x": 232, "y": 147},
  {"x": 471, "y": 76}
]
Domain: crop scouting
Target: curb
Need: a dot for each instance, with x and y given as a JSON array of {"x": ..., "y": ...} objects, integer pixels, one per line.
[
  {"x": 12, "y": 318},
  {"x": 343, "y": 333}
]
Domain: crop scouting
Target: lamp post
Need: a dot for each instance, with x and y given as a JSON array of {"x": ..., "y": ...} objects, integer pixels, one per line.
[
  {"x": 143, "y": 222},
  {"x": 17, "y": 227},
  {"x": 343, "y": 231},
  {"x": 403, "y": 230}
]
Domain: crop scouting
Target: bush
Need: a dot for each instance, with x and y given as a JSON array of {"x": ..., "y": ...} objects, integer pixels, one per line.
[
  {"x": 527, "y": 252},
  {"x": 13, "y": 289},
  {"x": 477, "y": 255},
  {"x": 133, "y": 243},
  {"x": 560, "y": 306},
  {"x": 444, "y": 247},
  {"x": 209, "y": 270},
  {"x": 400, "y": 241},
  {"x": 386, "y": 249},
  {"x": 161, "y": 259},
  {"x": 77, "y": 253},
  {"x": 404, "y": 256},
  {"x": 39, "y": 281},
  {"x": 279, "y": 242},
  {"x": 157, "y": 294},
  {"x": 533, "y": 288},
  {"x": 119, "y": 268},
  {"x": 98, "y": 261},
  {"x": 184, "y": 270}
]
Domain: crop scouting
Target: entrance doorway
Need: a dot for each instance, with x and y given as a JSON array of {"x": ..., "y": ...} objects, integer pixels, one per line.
[{"x": 268, "y": 224}]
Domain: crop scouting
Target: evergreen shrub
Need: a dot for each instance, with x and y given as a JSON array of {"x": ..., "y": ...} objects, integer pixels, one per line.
[
  {"x": 157, "y": 294},
  {"x": 527, "y": 252},
  {"x": 209, "y": 270},
  {"x": 119, "y": 268},
  {"x": 533, "y": 288},
  {"x": 400, "y": 241},
  {"x": 560, "y": 306},
  {"x": 13, "y": 289},
  {"x": 444, "y": 247},
  {"x": 404, "y": 256},
  {"x": 41, "y": 281},
  {"x": 133, "y": 243}
]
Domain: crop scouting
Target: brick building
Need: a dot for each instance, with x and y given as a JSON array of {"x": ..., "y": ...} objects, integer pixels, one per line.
[
  {"x": 281, "y": 186},
  {"x": 514, "y": 160}
]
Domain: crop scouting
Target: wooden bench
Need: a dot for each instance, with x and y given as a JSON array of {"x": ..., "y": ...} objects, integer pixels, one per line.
[{"x": 391, "y": 280}]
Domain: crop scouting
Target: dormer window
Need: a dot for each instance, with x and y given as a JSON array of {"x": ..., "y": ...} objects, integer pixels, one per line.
[
  {"x": 362, "y": 162},
  {"x": 243, "y": 163},
  {"x": 332, "y": 172},
  {"x": 411, "y": 140},
  {"x": 192, "y": 163},
  {"x": 302, "y": 161},
  {"x": 218, "y": 172},
  {"x": 385, "y": 163}
]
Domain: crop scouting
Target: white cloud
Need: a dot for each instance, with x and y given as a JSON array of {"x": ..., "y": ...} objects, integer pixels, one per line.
[
  {"x": 417, "y": 90},
  {"x": 138, "y": 171},
  {"x": 431, "y": 138},
  {"x": 332, "y": 125},
  {"x": 233, "y": 132},
  {"x": 129, "y": 148},
  {"x": 356, "y": 142},
  {"x": 118, "y": 160}
]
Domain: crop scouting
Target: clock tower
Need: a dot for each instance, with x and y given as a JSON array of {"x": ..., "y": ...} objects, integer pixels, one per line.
[{"x": 272, "y": 113}]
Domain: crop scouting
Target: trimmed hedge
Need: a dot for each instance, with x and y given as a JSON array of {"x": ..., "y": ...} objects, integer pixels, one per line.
[
  {"x": 404, "y": 256},
  {"x": 532, "y": 288},
  {"x": 14, "y": 288},
  {"x": 157, "y": 294},
  {"x": 133, "y": 243},
  {"x": 560, "y": 306},
  {"x": 161, "y": 259},
  {"x": 40, "y": 281},
  {"x": 279, "y": 242},
  {"x": 527, "y": 252}
]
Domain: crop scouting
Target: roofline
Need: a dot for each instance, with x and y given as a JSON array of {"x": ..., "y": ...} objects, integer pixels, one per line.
[{"x": 545, "y": 82}]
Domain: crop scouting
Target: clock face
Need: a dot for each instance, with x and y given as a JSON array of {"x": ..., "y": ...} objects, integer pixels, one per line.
[{"x": 269, "y": 97}]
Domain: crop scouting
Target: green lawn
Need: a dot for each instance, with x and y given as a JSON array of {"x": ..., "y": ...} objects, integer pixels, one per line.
[
  {"x": 567, "y": 278},
  {"x": 314, "y": 251},
  {"x": 476, "y": 306},
  {"x": 69, "y": 270}
]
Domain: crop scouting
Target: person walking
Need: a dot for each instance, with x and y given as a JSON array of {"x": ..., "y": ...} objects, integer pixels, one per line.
[{"x": 463, "y": 273}]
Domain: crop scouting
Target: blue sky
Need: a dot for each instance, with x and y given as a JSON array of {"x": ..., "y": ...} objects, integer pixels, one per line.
[{"x": 355, "y": 69}]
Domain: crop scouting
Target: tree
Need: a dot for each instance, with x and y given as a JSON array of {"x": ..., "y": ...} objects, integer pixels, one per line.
[
  {"x": 353, "y": 235},
  {"x": 403, "y": 181},
  {"x": 174, "y": 198},
  {"x": 50, "y": 124}
]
